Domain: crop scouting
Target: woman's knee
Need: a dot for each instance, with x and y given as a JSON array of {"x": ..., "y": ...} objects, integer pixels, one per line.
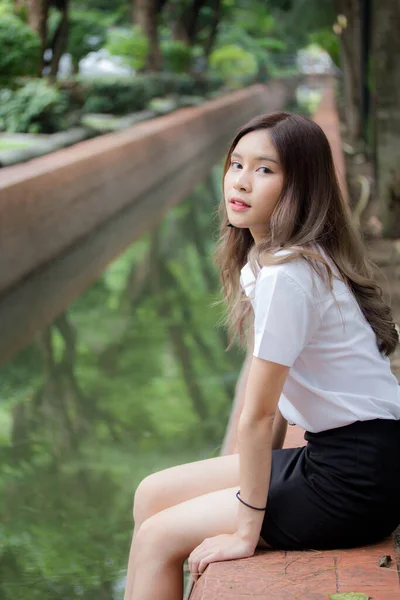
[
  {"x": 156, "y": 540},
  {"x": 147, "y": 499}
]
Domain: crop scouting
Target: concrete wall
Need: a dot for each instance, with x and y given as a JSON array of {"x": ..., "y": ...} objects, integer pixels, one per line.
[{"x": 66, "y": 215}]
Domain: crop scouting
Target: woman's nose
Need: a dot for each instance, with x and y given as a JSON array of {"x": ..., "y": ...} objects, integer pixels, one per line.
[{"x": 242, "y": 181}]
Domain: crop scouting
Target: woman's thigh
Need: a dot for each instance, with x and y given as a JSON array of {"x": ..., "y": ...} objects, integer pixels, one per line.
[{"x": 175, "y": 485}]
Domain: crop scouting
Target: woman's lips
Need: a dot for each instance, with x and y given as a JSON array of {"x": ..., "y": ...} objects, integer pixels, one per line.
[{"x": 237, "y": 204}]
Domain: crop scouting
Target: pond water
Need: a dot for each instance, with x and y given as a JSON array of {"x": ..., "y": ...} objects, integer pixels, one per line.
[{"x": 132, "y": 378}]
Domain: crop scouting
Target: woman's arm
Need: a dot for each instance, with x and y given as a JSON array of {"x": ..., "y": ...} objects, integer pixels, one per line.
[
  {"x": 279, "y": 427},
  {"x": 255, "y": 439},
  {"x": 279, "y": 430},
  {"x": 280, "y": 423}
]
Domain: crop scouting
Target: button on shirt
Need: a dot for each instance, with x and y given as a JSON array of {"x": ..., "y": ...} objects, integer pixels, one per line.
[{"x": 337, "y": 374}]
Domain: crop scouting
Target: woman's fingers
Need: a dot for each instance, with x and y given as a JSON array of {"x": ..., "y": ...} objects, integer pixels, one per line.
[
  {"x": 205, "y": 562},
  {"x": 200, "y": 566},
  {"x": 197, "y": 559}
]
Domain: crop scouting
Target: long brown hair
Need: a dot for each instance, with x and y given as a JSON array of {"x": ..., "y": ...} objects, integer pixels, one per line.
[{"x": 310, "y": 214}]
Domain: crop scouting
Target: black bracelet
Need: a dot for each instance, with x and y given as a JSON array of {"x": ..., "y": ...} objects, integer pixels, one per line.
[{"x": 245, "y": 503}]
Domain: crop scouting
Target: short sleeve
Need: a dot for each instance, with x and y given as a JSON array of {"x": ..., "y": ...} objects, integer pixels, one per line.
[{"x": 285, "y": 318}]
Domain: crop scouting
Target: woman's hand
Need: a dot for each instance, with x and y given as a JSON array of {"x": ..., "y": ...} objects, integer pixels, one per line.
[{"x": 216, "y": 549}]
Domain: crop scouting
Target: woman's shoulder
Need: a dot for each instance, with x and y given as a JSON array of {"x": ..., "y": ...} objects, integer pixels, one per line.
[
  {"x": 307, "y": 272},
  {"x": 297, "y": 268}
]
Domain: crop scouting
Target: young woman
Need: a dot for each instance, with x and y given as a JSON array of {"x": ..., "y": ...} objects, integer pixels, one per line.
[{"x": 322, "y": 336}]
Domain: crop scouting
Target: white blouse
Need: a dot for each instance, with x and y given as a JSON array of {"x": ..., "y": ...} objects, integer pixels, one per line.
[{"x": 337, "y": 374}]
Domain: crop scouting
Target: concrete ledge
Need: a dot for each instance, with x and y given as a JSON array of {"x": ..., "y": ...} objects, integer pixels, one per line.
[
  {"x": 308, "y": 575},
  {"x": 272, "y": 575},
  {"x": 47, "y": 204}
]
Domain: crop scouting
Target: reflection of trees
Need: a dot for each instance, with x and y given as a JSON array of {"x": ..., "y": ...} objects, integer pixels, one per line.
[
  {"x": 60, "y": 534},
  {"x": 156, "y": 276},
  {"x": 98, "y": 392},
  {"x": 59, "y": 404},
  {"x": 165, "y": 301}
]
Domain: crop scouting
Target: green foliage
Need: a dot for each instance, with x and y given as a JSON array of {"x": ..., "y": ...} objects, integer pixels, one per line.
[
  {"x": 130, "y": 44},
  {"x": 117, "y": 12},
  {"x": 36, "y": 107},
  {"x": 19, "y": 47},
  {"x": 116, "y": 95},
  {"x": 87, "y": 33},
  {"x": 328, "y": 41},
  {"x": 294, "y": 20},
  {"x": 177, "y": 56},
  {"x": 254, "y": 27},
  {"x": 6, "y": 7},
  {"x": 234, "y": 65},
  {"x": 131, "y": 94}
]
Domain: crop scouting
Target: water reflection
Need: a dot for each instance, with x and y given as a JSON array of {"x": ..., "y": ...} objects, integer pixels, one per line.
[{"x": 133, "y": 377}]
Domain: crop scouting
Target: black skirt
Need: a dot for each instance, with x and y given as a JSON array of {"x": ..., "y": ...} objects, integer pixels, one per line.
[{"x": 341, "y": 490}]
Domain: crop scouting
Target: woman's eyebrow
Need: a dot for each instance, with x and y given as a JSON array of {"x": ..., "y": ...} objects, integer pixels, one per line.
[{"x": 256, "y": 158}]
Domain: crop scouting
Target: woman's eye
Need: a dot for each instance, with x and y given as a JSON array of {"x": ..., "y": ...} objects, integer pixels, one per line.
[
  {"x": 235, "y": 164},
  {"x": 265, "y": 170}
]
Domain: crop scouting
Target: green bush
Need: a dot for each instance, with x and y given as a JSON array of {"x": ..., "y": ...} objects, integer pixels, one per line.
[
  {"x": 130, "y": 44},
  {"x": 19, "y": 48},
  {"x": 116, "y": 95},
  {"x": 177, "y": 56},
  {"x": 124, "y": 95},
  {"x": 236, "y": 66},
  {"x": 207, "y": 83},
  {"x": 165, "y": 84},
  {"x": 37, "y": 107}
]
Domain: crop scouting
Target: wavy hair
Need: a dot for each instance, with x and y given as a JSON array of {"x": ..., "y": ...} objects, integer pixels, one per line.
[{"x": 310, "y": 215}]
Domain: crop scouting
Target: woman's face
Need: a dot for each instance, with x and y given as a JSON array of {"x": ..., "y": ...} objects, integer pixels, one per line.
[{"x": 254, "y": 178}]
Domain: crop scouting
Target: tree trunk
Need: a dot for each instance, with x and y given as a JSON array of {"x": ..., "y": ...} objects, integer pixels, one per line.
[
  {"x": 215, "y": 21},
  {"x": 145, "y": 14},
  {"x": 386, "y": 50},
  {"x": 37, "y": 18},
  {"x": 60, "y": 40},
  {"x": 351, "y": 59},
  {"x": 186, "y": 26}
]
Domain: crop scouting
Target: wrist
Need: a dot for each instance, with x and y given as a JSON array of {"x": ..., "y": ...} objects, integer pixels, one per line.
[{"x": 249, "y": 537}]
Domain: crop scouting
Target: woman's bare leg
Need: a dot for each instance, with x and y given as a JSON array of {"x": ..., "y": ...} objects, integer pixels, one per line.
[
  {"x": 173, "y": 486},
  {"x": 166, "y": 539}
]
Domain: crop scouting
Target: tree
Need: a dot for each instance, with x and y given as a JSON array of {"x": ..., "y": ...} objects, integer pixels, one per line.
[
  {"x": 215, "y": 18},
  {"x": 187, "y": 20},
  {"x": 146, "y": 15},
  {"x": 59, "y": 41},
  {"x": 386, "y": 77},
  {"x": 37, "y": 14},
  {"x": 350, "y": 35}
]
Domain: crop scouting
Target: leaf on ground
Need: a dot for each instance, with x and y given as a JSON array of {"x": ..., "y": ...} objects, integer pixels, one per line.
[
  {"x": 385, "y": 560},
  {"x": 349, "y": 596}
]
